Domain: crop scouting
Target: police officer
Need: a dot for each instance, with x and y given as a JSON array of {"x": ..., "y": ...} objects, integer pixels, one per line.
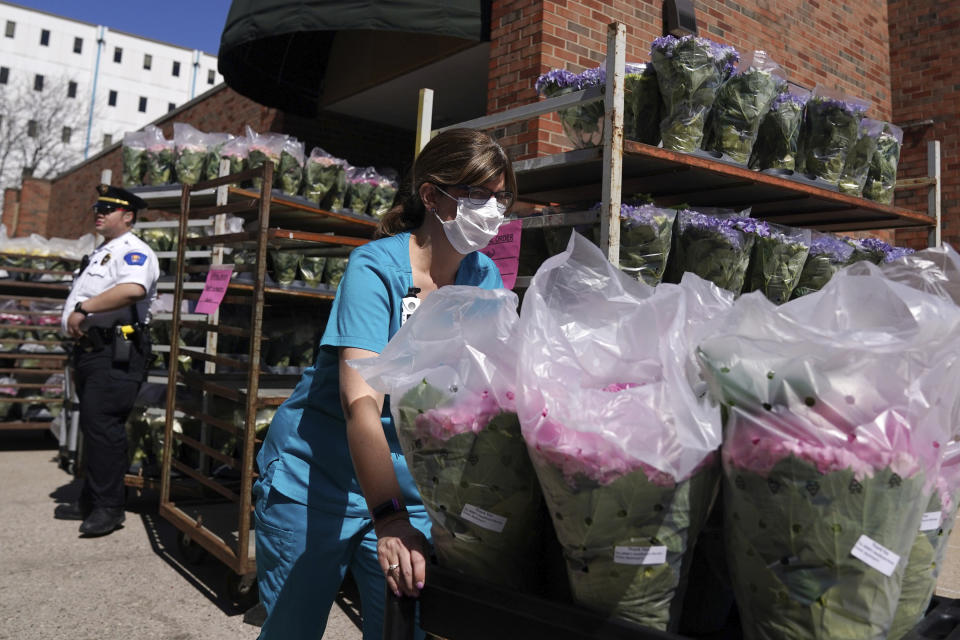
[{"x": 107, "y": 313}]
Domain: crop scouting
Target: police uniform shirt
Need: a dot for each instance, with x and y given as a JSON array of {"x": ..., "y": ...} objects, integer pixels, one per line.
[{"x": 124, "y": 259}]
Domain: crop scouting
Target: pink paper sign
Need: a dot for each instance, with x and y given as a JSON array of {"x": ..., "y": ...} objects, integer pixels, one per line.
[
  {"x": 504, "y": 249},
  {"x": 218, "y": 279}
]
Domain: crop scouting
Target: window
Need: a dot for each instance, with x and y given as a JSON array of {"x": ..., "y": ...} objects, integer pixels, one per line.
[
  {"x": 32, "y": 128},
  {"x": 142, "y": 107},
  {"x": 211, "y": 76},
  {"x": 71, "y": 89},
  {"x": 11, "y": 28},
  {"x": 44, "y": 37},
  {"x": 107, "y": 139},
  {"x": 112, "y": 98},
  {"x": 66, "y": 133},
  {"x": 78, "y": 45},
  {"x": 171, "y": 106},
  {"x": 4, "y": 75},
  {"x": 147, "y": 61},
  {"x": 176, "y": 68},
  {"x": 117, "y": 54},
  {"x": 38, "y": 82}
]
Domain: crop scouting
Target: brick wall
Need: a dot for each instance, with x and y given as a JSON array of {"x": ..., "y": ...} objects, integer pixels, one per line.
[
  {"x": 844, "y": 44},
  {"x": 924, "y": 44},
  {"x": 34, "y": 207}
]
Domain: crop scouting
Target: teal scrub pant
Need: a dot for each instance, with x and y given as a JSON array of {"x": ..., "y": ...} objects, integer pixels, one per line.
[{"x": 302, "y": 556}]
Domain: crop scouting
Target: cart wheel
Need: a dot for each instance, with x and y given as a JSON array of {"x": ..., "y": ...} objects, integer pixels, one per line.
[
  {"x": 192, "y": 552},
  {"x": 242, "y": 589}
]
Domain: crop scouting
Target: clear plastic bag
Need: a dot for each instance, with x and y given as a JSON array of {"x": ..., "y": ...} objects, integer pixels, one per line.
[
  {"x": 619, "y": 427},
  {"x": 214, "y": 143},
  {"x": 360, "y": 184},
  {"x": 740, "y": 105},
  {"x": 882, "y": 176},
  {"x": 831, "y": 126},
  {"x": 236, "y": 151},
  {"x": 776, "y": 144},
  {"x": 325, "y": 179},
  {"x": 832, "y": 442},
  {"x": 263, "y": 147},
  {"x": 134, "y": 150},
  {"x": 777, "y": 261},
  {"x": 158, "y": 157},
  {"x": 451, "y": 375},
  {"x": 857, "y": 165},
  {"x": 190, "y": 150},
  {"x": 289, "y": 175}
]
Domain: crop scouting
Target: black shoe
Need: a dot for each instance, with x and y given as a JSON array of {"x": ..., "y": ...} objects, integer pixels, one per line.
[
  {"x": 71, "y": 511},
  {"x": 101, "y": 521}
]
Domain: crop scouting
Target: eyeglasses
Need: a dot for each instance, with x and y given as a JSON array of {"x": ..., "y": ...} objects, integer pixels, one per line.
[{"x": 480, "y": 195}]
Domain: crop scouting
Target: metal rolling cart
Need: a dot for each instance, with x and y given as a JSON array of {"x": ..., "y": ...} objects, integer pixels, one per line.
[
  {"x": 457, "y": 607},
  {"x": 218, "y": 522},
  {"x": 33, "y": 368}
]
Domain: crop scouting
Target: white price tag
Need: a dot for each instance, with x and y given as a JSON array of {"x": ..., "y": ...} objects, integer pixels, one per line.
[
  {"x": 640, "y": 555},
  {"x": 875, "y": 555},
  {"x": 484, "y": 519},
  {"x": 930, "y": 521}
]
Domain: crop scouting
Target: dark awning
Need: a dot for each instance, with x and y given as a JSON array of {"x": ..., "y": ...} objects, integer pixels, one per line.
[{"x": 298, "y": 55}]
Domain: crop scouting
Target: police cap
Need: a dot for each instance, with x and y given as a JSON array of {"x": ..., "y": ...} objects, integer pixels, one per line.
[{"x": 110, "y": 198}]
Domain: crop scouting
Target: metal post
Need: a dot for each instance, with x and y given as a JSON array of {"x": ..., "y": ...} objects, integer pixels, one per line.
[
  {"x": 933, "y": 196},
  {"x": 424, "y": 120},
  {"x": 613, "y": 143}
]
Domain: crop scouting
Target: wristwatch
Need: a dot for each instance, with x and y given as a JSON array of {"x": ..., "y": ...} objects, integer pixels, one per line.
[{"x": 79, "y": 309}]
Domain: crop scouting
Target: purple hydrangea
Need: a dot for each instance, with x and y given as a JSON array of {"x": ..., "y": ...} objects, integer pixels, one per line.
[
  {"x": 593, "y": 77},
  {"x": 555, "y": 80},
  {"x": 855, "y": 107},
  {"x": 836, "y": 248},
  {"x": 725, "y": 57},
  {"x": 895, "y": 253},
  {"x": 875, "y": 244},
  {"x": 752, "y": 225},
  {"x": 789, "y": 97},
  {"x": 725, "y": 227}
]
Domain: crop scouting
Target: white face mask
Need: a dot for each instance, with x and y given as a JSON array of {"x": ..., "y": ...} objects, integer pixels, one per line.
[{"x": 475, "y": 225}]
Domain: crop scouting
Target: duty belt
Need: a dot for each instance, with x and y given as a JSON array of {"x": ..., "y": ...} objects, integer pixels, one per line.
[{"x": 97, "y": 338}]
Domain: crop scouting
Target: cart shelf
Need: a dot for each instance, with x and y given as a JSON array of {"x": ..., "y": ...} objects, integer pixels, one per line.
[
  {"x": 278, "y": 238},
  {"x": 672, "y": 177}
]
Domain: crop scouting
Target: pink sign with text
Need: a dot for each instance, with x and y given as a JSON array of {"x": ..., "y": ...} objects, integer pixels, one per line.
[
  {"x": 504, "y": 250},
  {"x": 218, "y": 279}
]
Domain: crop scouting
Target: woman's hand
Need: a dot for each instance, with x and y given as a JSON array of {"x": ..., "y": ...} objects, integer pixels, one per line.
[{"x": 401, "y": 549}]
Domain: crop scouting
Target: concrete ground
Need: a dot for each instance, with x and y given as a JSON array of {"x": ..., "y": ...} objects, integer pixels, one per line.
[{"x": 131, "y": 584}]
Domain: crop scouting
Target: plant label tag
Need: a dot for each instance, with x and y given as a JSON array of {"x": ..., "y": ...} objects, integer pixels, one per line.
[
  {"x": 875, "y": 555},
  {"x": 640, "y": 555},
  {"x": 930, "y": 521},
  {"x": 483, "y": 519}
]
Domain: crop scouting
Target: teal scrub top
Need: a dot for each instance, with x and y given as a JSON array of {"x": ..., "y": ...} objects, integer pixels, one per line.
[{"x": 305, "y": 454}]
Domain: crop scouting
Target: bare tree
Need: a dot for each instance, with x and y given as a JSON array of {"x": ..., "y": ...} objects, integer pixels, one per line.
[{"x": 41, "y": 130}]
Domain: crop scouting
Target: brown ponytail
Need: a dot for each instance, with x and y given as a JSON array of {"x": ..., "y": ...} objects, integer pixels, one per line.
[{"x": 456, "y": 156}]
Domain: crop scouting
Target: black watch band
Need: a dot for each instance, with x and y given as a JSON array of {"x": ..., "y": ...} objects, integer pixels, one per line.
[
  {"x": 79, "y": 309},
  {"x": 388, "y": 508}
]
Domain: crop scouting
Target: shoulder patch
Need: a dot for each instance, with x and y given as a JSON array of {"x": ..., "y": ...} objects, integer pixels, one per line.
[{"x": 135, "y": 258}]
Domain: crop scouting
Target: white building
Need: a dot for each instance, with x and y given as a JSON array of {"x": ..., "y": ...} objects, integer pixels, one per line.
[{"x": 120, "y": 81}]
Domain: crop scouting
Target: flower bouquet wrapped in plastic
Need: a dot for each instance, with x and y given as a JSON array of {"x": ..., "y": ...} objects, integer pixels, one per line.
[
  {"x": 289, "y": 173},
  {"x": 828, "y": 254},
  {"x": 134, "y": 150},
  {"x": 214, "y": 143},
  {"x": 284, "y": 266},
  {"x": 776, "y": 145},
  {"x": 324, "y": 179},
  {"x": 831, "y": 126},
  {"x": 450, "y": 373},
  {"x": 158, "y": 157},
  {"x": 779, "y": 255},
  {"x": 311, "y": 269},
  {"x": 832, "y": 442},
  {"x": 930, "y": 546},
  {"x": 689, "y": 72},
  {"x": 740, "y": 105},
  {"x": 190, "y": 153},
  {"x": 623, "y": 439},
  {"x": 641, "y": 104},
  {"x": 236, "y": 151},
  {"x": 857, "y": 164},
  {"x": 882, "y": 176},
  {"x": 333, "y": 271},
  {"x": 582, "y": 124},
  {"x": 646, "y": 235},
  {"x": 360, "y": 184},
  {"x": 872, "y": 250},
  {"x": 263, "y": 147},
  {"x": 716, "y": 248},
  {"x": 383, "y": 194}
]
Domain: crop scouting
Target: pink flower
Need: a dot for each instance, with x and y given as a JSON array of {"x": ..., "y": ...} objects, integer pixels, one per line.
[{"x": 471, "y": 414}]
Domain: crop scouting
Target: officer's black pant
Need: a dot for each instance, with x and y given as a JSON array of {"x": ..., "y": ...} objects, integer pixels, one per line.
[{"x": 107, "y": 392}]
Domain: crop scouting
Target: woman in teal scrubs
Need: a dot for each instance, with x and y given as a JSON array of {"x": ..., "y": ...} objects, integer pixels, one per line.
[{"x": 334, "y": 491}]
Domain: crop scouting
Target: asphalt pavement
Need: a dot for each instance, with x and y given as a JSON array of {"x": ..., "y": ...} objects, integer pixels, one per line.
[{"x": 133, "y": 583}]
